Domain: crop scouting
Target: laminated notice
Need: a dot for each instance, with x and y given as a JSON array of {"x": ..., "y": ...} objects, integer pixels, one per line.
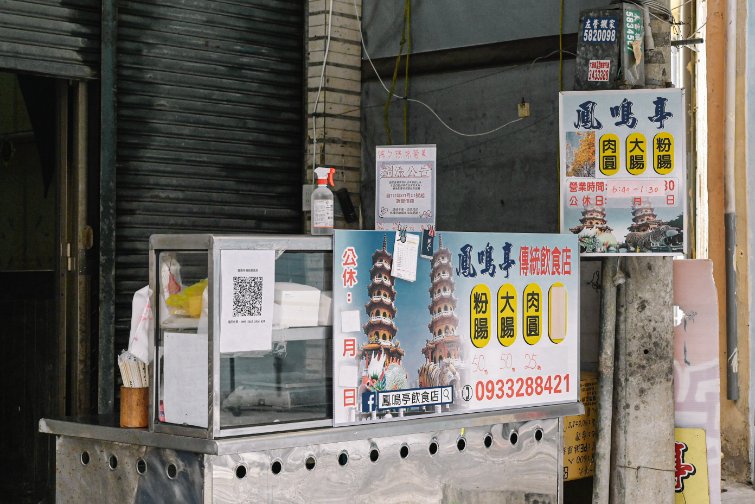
[{"x": 405, "y": 251}]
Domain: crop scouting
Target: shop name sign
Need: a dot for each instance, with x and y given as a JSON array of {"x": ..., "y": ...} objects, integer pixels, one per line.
[
  {"x": 623, "y": 171},
  {"x": 491, "y": 322}
]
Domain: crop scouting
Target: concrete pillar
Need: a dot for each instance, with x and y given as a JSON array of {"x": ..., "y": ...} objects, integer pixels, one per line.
[{"x": 643, "y": 432}]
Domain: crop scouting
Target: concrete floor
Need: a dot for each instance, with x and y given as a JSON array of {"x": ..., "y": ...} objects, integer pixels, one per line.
[{"x": 737, "y": 493}]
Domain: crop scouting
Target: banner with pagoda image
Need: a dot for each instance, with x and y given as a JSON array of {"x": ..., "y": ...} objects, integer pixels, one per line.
[
  {"x": 623, "y": 171},
  {"x": 491, "y": 323}
]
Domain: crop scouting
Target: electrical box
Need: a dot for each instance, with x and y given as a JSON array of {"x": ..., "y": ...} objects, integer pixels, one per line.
[{"x": 610, "y": 48}]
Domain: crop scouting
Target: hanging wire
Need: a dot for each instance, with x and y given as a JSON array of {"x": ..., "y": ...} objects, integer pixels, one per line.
[
  {"x": 392, "y": 94},
  {"x": 319, "y": 90}
]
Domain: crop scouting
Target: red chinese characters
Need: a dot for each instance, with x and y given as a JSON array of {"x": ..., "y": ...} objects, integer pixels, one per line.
[
  {"x": 349, "y": 347},
  {"x": 349, "y": 265},
  {"x": 544, "y": 261}
]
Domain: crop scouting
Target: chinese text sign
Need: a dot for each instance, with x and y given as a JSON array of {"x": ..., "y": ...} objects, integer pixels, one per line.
[{"x": 623, "y": 171}]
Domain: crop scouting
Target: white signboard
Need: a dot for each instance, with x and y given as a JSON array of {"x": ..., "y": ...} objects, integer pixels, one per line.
[
  {"x": 247, "y": 282},
  {"x": 405, "y": 187},
  {"x": 623, "y": 171},
  {"x": 491, "y": 322}
]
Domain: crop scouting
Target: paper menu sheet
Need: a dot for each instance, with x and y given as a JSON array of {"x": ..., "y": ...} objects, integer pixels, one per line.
[
  {"x": 247, "y": 281},
  {"x": 405, "y": 257},
  {"x": 185, "y": 386}
]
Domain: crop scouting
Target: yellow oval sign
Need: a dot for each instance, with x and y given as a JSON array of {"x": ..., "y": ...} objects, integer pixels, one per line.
[
  {"x": 609, "y": 157},
  {"x": 532, "y": 319},
  {"x": 479, "y": 315},
  {"x": 557, "y": 312},
  {"x": 663, "y": 153},
  {"x": 506, "y": 315},
  {"x": 636, "y": 153}
]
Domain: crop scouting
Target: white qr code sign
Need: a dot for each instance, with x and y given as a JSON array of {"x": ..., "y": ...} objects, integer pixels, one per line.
[{"x": 247, "y": 282}]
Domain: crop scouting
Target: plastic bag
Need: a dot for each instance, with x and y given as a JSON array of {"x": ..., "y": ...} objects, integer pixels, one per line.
[{"x": 142, "y": 321}]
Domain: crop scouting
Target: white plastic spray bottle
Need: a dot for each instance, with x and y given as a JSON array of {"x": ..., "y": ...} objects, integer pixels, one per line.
[{"x": 322, "y": 202}]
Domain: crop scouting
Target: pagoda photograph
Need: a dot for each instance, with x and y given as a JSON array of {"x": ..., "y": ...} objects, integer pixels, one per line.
[
  {"x": 648, "y": 233},
  {"x": 595, "y": 235},
  {"x": 443, "y": 350},
  {"x": 382, "y": 355}
]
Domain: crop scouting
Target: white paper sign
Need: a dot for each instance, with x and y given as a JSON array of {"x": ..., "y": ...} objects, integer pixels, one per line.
[
  {"x": 405, "y": 257},
  {"x": 185, "y": 379},
  {"x": 350, "y": 321},
  {"x": 247, "y": 282},
  {"x": 405, "y": 187}
]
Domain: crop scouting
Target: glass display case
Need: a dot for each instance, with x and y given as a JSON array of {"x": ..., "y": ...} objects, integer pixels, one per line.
[{"x": 242, "y": 339}]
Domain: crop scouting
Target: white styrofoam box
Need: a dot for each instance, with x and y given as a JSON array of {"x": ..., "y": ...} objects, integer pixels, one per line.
[
  {"x": 298, "y": 305},
  {"x": 325, "y": 317}
]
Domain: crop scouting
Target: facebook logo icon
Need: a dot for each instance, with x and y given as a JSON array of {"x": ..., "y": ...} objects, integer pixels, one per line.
[{"x": 369, "y": 402}]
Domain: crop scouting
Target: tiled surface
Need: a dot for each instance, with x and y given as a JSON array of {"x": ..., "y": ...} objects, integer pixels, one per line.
[{"x": 737, "y": 493}]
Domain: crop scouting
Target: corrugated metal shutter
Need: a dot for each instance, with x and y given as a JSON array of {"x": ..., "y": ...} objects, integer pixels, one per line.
[
  {"x": 58, "y": 38},
  {"x": 210, "y": 125}
]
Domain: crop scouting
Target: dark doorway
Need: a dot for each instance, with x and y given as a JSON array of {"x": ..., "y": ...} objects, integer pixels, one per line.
[
  {"x": 42, "y": 304},
  {"x": 28, "y": 235}
]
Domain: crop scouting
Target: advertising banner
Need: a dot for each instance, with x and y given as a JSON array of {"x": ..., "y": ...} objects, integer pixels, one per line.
[
  {"x": 623, "y": 171},
  {"x": 490, "y": 322},
  {"x": 697, "y": 378},
  {"x": 405, "y": 187}
]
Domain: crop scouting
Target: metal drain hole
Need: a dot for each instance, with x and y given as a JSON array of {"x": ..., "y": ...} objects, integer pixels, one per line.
[
  {"x": 172, "y": 471},
  {"x": 374, "y": 455},
  {"x": 404, "y": 451},
  {"x": 433, "y": 447},
  {"x": 343, "y": 458},
  {"x": 84, "y": 458},
  {"x": 241, "y": 472},
  {"x": 461, "y": 443},
  {"x": 538, "y": 434},
  {"x": 513, "y": 437},
  {"x": 488, "y": 441},
  {"x": 112, "y": 462},
  {"x": 310, "y": 463},
  {"x": 141, "y": 466},
  {"x": 276, "y": 467}
]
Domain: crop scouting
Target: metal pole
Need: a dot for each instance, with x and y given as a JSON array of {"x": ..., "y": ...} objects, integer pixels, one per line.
[
  {"x": 106, "y": 361},
  {"x": 730, "y": 216},
  {"x": 611, "y": 276}
]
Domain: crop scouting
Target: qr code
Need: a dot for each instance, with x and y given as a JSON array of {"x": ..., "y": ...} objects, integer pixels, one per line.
[{"x": 247, "y": 296}]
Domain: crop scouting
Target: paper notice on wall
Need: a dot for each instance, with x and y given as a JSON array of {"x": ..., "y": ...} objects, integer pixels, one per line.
[
  {"x": 247, "y": 281},
  {"x": 405, "y": 257},
  {"x": 405, "y": 187},
  {"x": 185, "y": 379}
]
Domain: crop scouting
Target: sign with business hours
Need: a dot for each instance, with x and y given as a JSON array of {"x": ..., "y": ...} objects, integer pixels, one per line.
[
  {"x": 623, "y": 171},
  {"x": 405, "y": 187},
  {"x": 491, "y": 322}
]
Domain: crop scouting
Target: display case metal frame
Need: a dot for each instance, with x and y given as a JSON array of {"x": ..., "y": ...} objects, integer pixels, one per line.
[{"x": 213, "y": 245}]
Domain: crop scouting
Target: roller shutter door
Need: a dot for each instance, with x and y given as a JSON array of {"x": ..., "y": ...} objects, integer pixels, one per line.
[
  {"x": 57, "y": 38},
  {"x": 210, "y": 125}
]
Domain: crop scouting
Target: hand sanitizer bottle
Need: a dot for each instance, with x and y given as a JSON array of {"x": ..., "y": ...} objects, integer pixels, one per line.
[{"x": 322, "y": 202}]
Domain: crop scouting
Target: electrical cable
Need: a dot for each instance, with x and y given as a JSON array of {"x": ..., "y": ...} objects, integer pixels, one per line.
[
  {"x": 414, "y": 100},
  {"x": 561, "y": 49},
  {"x": 408, "y": 15},
  {"x": 319, "y": 90}
]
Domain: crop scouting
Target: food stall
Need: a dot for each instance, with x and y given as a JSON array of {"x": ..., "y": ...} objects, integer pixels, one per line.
[{"x": 350, "y": 368}]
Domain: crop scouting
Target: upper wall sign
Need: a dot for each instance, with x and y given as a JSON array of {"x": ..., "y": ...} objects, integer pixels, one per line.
[{"x": 623, "y": 171}]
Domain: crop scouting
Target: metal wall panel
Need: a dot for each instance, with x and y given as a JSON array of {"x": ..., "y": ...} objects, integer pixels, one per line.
[
  {"x": 210, "y": 125},
  {"x": 58, "y": 38}
]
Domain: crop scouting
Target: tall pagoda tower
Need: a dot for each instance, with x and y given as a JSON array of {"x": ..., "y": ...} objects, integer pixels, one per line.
[
  {"x": 644, "y": 218},
  {"x": 593, "y": 217},
  {"x": 444, "y": 343},
  {"x": 381, "y": 310}
]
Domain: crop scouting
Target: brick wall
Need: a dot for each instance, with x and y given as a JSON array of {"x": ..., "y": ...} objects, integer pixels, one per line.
[{"x": 338, "y": 110}]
